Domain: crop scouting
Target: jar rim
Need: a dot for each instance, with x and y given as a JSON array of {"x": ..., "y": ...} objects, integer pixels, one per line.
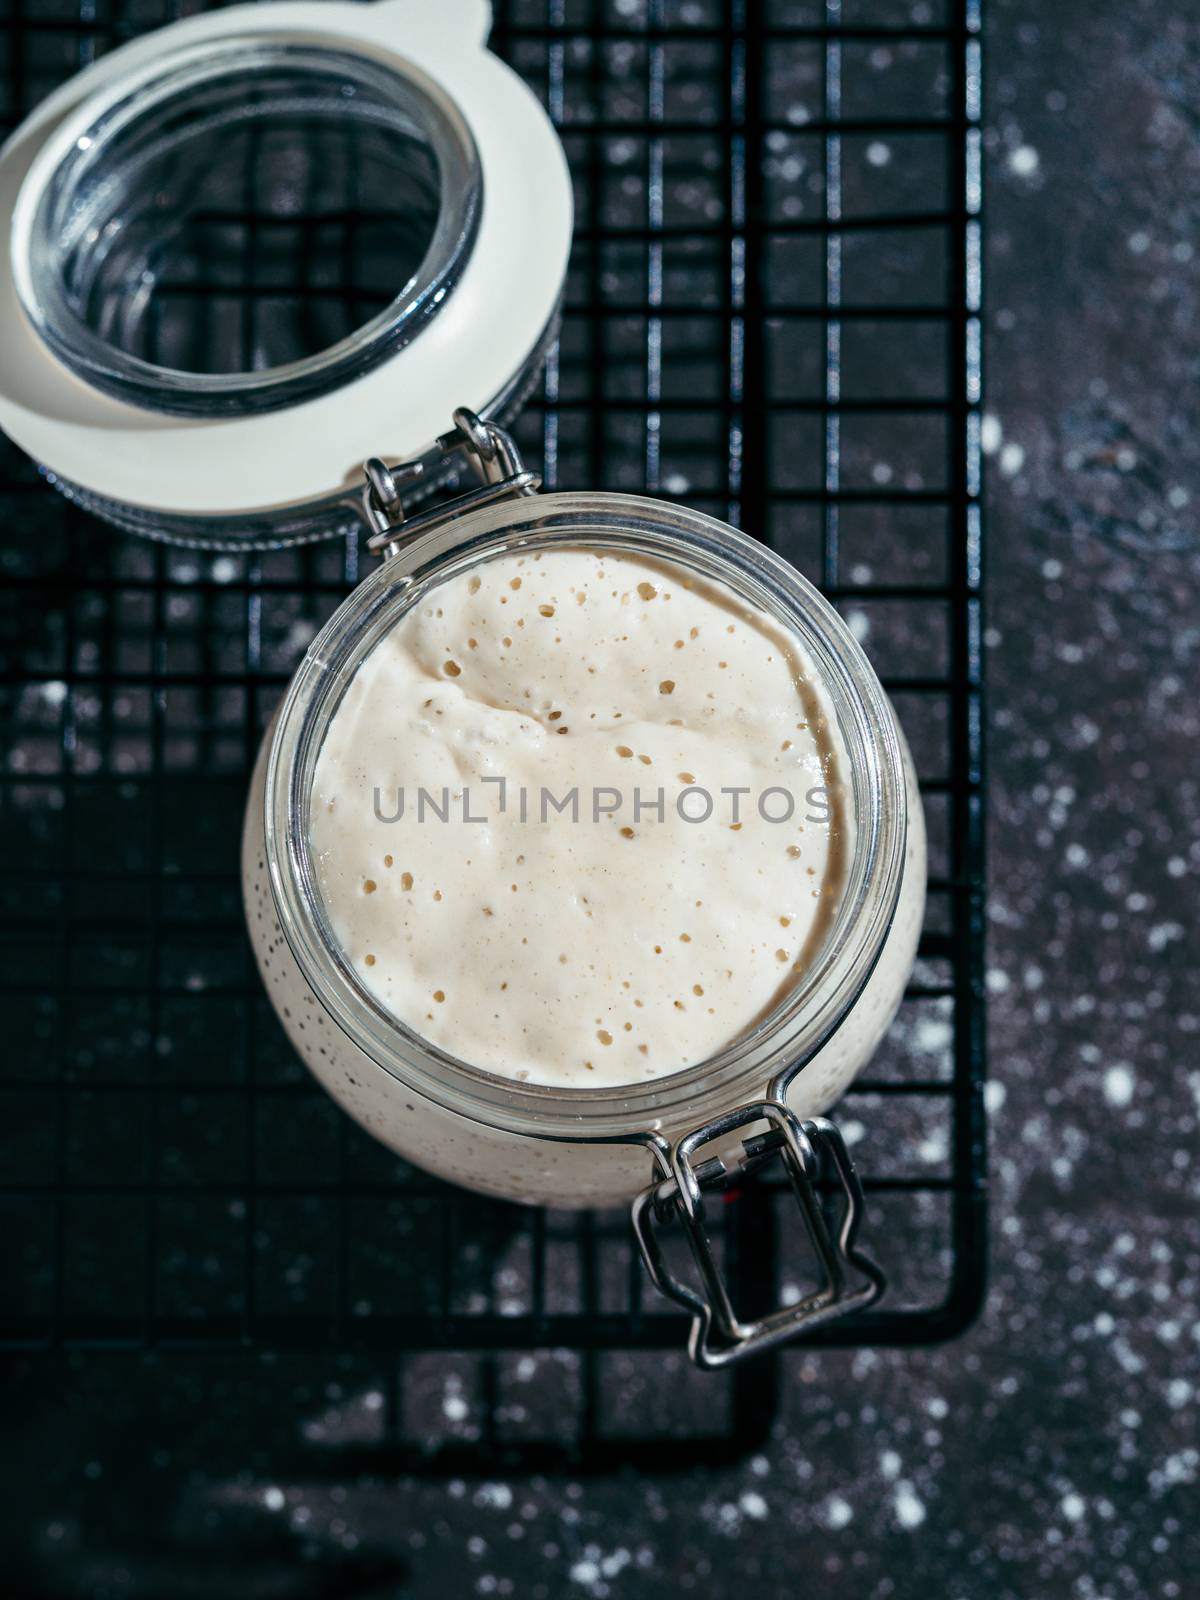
[
  {"x": 49, "y": 206},
  {"x": 803, "y": 1020}
]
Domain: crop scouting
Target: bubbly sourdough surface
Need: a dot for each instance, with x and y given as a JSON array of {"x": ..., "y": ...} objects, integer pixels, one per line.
[{"x": 606, "y": 942}]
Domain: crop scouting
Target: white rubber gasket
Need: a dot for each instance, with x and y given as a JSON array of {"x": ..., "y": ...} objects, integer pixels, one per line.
[{"x": 468, "y": 354}]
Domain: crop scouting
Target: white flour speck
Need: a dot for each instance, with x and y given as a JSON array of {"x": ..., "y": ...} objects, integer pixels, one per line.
[
  {"x": 497, "y": 1495},
  {"x": 910, "y": 1510},
  {"x": 838, "y": 1512},
  {"x": 932, "y": 1035},
  {"x": 1119, "y": 1084}
]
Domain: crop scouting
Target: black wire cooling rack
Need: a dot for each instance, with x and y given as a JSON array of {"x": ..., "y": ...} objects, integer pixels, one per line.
[{"x": 772, "y": 315}]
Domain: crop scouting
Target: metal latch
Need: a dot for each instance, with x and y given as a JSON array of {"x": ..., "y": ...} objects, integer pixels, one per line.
[
  {"x": 850, "y": 1280},
  {"x": 489, "y": 449}
]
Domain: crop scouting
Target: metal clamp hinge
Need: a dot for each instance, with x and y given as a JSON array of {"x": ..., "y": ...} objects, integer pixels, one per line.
[
  {"x": 850, "y": 1280},
  {"x": 489, "y": 450}
]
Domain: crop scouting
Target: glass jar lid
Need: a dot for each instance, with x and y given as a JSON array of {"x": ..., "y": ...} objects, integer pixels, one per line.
[
  {"x": 213, "y": 242},
  {"x": 262, "y": 244}
]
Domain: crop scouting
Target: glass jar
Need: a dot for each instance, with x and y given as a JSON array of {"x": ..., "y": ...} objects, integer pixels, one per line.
[
  {"x": 260, "y": 244},
  {"x": 642, "y": 1142}
]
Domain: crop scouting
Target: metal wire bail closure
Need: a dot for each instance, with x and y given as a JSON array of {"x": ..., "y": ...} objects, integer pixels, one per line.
[
  {"x": 851, "y": 1281},
  {"x": 491, "y": 453}
]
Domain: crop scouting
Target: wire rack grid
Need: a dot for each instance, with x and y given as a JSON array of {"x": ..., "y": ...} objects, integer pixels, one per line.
[{"x": 772, "y": 314}]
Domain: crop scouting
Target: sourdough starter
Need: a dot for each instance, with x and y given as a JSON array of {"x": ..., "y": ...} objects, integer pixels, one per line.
[{"x": 628, "y": 932}]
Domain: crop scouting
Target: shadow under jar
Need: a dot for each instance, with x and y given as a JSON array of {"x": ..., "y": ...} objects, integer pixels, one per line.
[{"x": 662, "y": 1141}]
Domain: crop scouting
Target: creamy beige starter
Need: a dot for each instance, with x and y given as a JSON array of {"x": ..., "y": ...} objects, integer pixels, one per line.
[{"x": 610, "y": 940}]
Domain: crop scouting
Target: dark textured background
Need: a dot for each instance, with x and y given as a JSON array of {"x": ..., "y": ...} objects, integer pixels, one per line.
[{"x": 1054, "y": 1450}]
